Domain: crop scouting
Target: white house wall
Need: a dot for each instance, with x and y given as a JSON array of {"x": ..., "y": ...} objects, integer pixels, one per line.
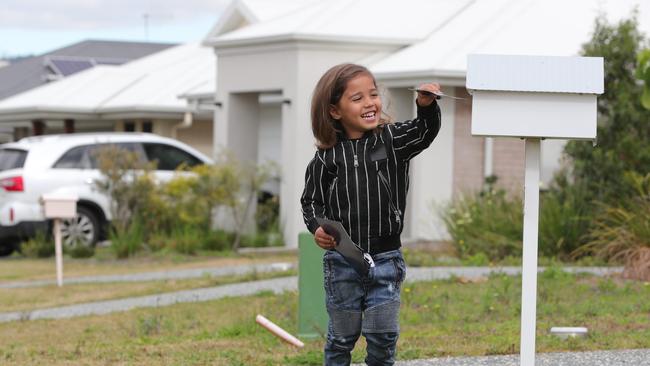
[{"x": 432, "y": 178}]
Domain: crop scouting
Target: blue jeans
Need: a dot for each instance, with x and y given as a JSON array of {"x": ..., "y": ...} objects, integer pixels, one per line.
[{"x": 368, "y": 305}]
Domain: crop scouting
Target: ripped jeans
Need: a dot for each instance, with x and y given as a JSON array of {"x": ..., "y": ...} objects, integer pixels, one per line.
[{"x": 368, "y": 305}]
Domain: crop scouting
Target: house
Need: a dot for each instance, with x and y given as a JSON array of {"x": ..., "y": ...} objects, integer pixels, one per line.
[
  {"x": 142, "y": 95},
  {"x": 404, "y": 43},
  {"x": 29, "y": 72}
]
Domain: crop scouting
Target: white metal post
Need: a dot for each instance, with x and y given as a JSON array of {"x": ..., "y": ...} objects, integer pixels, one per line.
[
  {"x": 529, "y": 265},
  {"x": 58, "y": 252}
]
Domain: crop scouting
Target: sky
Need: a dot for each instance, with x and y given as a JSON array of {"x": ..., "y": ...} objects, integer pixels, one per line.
[{"x": 33, "y": 27}]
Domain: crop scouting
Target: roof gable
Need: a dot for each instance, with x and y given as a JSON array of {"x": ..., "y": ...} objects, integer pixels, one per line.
[{"x": 242, "y": 13}]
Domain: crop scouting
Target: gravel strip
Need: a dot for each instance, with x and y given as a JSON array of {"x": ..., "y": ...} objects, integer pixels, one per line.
[
  {"x": 160, "y": 275},
  {"x": 638, "y": 357}
]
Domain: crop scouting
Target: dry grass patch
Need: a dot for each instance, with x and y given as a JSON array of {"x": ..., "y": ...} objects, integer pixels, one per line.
[
  {"x": 23, "y": 269},
  {"x": 23, "y": 299}
]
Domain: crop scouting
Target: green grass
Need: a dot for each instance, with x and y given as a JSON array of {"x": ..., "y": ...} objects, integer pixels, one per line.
[{"x": 440, "y": 318}]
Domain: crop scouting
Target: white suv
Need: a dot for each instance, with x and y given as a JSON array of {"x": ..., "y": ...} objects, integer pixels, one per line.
[{"x": 66, "y": 164}]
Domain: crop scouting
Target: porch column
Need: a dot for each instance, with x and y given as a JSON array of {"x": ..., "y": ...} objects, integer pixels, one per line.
[
  {"x": 38, "y": 127},
  {"x": 68, "y": 126}
]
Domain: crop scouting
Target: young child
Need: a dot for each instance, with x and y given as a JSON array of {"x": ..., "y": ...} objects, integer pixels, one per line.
[{"x": 360, "y": 177}]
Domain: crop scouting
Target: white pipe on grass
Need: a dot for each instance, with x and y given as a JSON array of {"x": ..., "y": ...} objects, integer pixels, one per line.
[{"x": 279, "y": 332}]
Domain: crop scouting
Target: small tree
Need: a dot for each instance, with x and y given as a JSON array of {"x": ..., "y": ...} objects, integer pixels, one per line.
[
  {"x": 623, "y": 123},
  {"x": 127, "y": 183}
]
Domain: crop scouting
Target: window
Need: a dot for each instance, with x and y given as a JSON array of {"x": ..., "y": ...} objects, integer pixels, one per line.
[
  {"x": 72, "y": 159},
  {"x": 12, "y": 159},
  {"x": 85, "y": 157},
  {"x": 168, "y": 157}
]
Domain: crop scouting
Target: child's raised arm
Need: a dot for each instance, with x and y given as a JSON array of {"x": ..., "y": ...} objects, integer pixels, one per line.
[{"x": 411, "y": 137}]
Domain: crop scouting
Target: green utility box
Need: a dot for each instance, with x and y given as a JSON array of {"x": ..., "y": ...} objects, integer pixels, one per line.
[{"x": 312, "y": 315}]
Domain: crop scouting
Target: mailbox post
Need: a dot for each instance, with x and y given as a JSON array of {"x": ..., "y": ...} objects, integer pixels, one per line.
[
  {"x": 58, "y": 207},
  {"x": 533, "y": 97}
]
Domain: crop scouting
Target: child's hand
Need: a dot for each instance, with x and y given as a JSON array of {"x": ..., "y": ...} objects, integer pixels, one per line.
[
  {"x": 323, "y": 239},
  {"x": 425, "y": 99}
]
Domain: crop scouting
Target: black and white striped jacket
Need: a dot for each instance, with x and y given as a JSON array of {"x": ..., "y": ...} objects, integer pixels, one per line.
[{"x": 363, "y": 182}]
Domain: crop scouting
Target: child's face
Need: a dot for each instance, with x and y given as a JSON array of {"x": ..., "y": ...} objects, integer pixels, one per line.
[{"x": 359, "y": 108}]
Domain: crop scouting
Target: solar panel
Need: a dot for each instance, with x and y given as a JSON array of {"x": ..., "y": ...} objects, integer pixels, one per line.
[
  {"x": 101, "y": 61},
  {"x": 68, "y": 67}
]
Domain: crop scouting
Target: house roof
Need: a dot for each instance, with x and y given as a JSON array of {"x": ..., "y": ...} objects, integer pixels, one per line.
[
  {"x": 362, "y": 21},
  {"x": 526, "y": 27},
  {"x": 34, "y": 71},
  {"x": 149, "y": 85}
]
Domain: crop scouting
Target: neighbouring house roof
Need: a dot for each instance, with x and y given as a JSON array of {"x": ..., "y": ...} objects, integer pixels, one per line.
[
  {"x": 34, "y": 71},
  {"x": 147, "y": 87},
  {"x": 526, "y": 27}
]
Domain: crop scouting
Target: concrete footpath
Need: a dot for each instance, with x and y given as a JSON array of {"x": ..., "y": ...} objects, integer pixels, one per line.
[{"x": 277, "y": 285}]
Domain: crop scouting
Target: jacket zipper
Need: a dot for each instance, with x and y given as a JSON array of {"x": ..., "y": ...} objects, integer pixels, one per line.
[
  {"x": 397, "y": 212},
  {"x": 331, "y": 190},
  {"x": 356, "y": 179}
]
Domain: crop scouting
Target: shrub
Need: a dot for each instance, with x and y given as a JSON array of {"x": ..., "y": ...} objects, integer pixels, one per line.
[
  {"x": 218, "y": 240},
  {"x": 488, "y": 223},
  {"x": 80, "y": 251},
  {"x": 622, "y": 233},
  {"x": 565, "y": 216},
  {"x": 125, "y": 242},
  {"x": 40, "y": 246}
]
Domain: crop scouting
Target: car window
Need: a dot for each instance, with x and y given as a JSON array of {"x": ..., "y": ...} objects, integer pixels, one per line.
[
  {"x": 169, "y": 157},
  {"x": 12, "y": 158},
  {"x": 85, "y": 157},
  {"x": 72, "y": 159},
  {"x": 94, "y": 150}
]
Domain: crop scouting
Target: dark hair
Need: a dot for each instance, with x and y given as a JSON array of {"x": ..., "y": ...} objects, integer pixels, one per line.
[{"x": 328, "y": 91}]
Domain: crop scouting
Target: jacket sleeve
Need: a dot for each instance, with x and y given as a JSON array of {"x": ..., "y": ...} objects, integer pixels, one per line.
[
  {"x": 412, "y": 137},
  {"x": 313, "y": 197}
]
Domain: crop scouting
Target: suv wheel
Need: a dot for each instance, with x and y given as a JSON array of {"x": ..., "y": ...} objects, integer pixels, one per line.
[{"x": 82, "y": 230}]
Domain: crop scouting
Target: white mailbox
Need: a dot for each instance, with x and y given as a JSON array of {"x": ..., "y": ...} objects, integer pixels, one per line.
[
  {"x": 58, "y": 206},
  {"x": 534, "y": 96}
]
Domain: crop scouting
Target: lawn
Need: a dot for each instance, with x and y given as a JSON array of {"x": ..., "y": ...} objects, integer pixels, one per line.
[{"x": 438, "y": 318}]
